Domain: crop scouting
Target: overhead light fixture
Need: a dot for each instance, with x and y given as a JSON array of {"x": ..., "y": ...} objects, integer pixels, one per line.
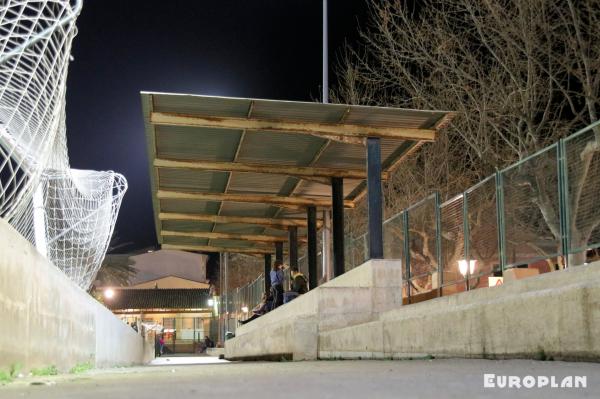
[
  {"x": 211, "y": 302},
  {"x": 109, "y": 293}
]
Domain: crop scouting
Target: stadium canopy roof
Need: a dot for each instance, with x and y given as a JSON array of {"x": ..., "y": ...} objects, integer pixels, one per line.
[{"x": 232, "y": 174}]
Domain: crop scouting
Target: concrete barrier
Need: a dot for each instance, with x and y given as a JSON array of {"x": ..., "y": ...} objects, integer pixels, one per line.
[
  {"x": 47, "y": 320},
  {"x": 292, "y": 330},
  {"x": 551, "y": 315}
]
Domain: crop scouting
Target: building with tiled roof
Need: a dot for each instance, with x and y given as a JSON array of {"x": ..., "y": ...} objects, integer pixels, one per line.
[
  {"x": 144, "y": 300},
  {"x": 183, "y": 315}
]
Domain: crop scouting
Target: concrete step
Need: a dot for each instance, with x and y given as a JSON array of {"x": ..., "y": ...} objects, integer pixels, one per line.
[
  {"x": 552, "y": 315},
  {"x": 291, "y": 331}
]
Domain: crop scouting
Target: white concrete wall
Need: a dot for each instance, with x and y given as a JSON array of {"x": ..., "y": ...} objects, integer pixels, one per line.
[
  {"x": 552, "y": 315},
  {"x": 359, "y": 315},
  {"x": 356, "y": 297},
  {"x": 47, "y": 320}
]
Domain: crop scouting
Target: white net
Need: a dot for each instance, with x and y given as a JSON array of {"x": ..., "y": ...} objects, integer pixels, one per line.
[{"x": 68, "y": 214}]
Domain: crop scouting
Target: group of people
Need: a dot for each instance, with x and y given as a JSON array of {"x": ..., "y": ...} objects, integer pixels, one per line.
[{"x": 277, "y": 296}]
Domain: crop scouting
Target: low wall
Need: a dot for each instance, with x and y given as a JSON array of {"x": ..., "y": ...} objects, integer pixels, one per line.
[
  {"x": 552, "y": 315},
  {"x": 48, "y": 320},
  {"x": 291, "y": 331}
]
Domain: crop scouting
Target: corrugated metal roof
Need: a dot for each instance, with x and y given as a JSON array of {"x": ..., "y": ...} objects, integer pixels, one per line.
[
  {"x": 188, "y": 206},
  {"x": 174, "y": 142},
  {"x": 186, "y": 225},
  {"x": 205, "y": 142},
  {"x": 283, "y": 149},
  {"x": 182, "y": 240},
  {"x": 192, "y": 180}
]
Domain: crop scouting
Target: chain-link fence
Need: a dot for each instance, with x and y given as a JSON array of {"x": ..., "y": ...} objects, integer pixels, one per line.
[
  {"x": 238, "y": 304},
  {"x": 536, "y": 216}
]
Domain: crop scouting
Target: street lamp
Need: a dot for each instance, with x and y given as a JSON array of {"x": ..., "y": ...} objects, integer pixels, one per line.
[
  {"x": 211, "y": 302},
  {"x": 466, "y": 268}
]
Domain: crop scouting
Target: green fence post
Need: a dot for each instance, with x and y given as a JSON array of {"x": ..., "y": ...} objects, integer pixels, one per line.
[
  {"x": 406, "y": 252},
  {"x": 466, "y": 238},
  {"x": 500, "y": 220},
  {"x": 438, "y": 242},
  {"x": 563, "y": 199}
]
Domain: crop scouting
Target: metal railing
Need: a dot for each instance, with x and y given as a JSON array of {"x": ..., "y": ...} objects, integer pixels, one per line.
[
  {"x": 540, "y": 213},
  {"x": 238, "y": 304}
]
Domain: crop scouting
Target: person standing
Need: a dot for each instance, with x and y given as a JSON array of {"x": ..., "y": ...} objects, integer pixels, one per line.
[
  {"x": 276, "y": 276},
  {"x": 161, "y": 344}
]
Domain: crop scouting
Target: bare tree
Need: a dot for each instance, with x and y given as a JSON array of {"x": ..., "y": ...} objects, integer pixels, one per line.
[{"x": 519, "y": 74}]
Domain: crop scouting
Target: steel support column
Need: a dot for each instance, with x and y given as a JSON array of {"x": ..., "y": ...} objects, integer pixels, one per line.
[
  {"x": 374, "y": 198},
  {"x": 311, "y": 218},
  {"x": 337, "y": 194},
  {"x": 279, "y": 251},
  {"x": 267, "y": 272},
  {"x": 293, "y": 238}
]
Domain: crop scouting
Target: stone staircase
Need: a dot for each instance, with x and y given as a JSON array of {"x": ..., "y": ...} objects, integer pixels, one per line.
[{"x": 360, "y": 315}]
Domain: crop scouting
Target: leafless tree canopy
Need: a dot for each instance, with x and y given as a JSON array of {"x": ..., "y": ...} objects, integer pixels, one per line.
[{"x": 519, "y": 74}]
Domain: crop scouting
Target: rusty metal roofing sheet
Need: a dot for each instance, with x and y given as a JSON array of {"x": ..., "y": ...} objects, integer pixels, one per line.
[
  {"x": 189, "y": 143},
  {"x": 188, "y": 206},
  {"x": 260, "y": 183},
  {"x": 179, "y": 240},
  {"x": 283, "y": 149},
  {"x": 186, "y": 225},
  {"x": 192, "y": 180},
  {"x": 169, "y": 141}
]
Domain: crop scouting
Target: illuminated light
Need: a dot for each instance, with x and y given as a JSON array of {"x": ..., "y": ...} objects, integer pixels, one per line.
[
  {"x": 245, "y": 309},
  {"x": 109, "y": 293},
  {"x": 463, "y": 264},
  {"x": 211, "y": 302}
]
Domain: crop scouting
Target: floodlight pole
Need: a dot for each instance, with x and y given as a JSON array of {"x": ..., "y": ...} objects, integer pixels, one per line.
[{"x": 325, "y": 56}]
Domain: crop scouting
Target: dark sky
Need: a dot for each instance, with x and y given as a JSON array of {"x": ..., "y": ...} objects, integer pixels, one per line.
[{"x": 242, "y": 48}]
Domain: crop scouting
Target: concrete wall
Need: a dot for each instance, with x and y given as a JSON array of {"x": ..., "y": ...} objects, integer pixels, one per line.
[
  {"x": 359, "y": 315},
  {"x": 552, "y": 315},
  {"x": 292, "y": 330},
  {"x": 47, "y": 320}
]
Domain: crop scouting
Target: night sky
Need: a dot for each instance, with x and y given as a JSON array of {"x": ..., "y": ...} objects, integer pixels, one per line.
[{"x": 259, "y": 48}]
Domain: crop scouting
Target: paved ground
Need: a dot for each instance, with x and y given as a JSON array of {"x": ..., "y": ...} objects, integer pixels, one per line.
[{"x": 324, "y": 379}]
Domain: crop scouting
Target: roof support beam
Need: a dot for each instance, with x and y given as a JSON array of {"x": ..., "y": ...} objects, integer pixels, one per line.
[
  {"x": 208, "y": 248},
  {"x": 271, "y": 222},
  {"x": 329, "y": 130},
  {"x": 279, "y": 200},
  {"x": 228, "y": 236},
  {"x": 300, "y": 171}
]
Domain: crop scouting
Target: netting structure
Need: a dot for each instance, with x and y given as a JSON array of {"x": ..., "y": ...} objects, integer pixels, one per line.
[{"x": 68, "y": 214}]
